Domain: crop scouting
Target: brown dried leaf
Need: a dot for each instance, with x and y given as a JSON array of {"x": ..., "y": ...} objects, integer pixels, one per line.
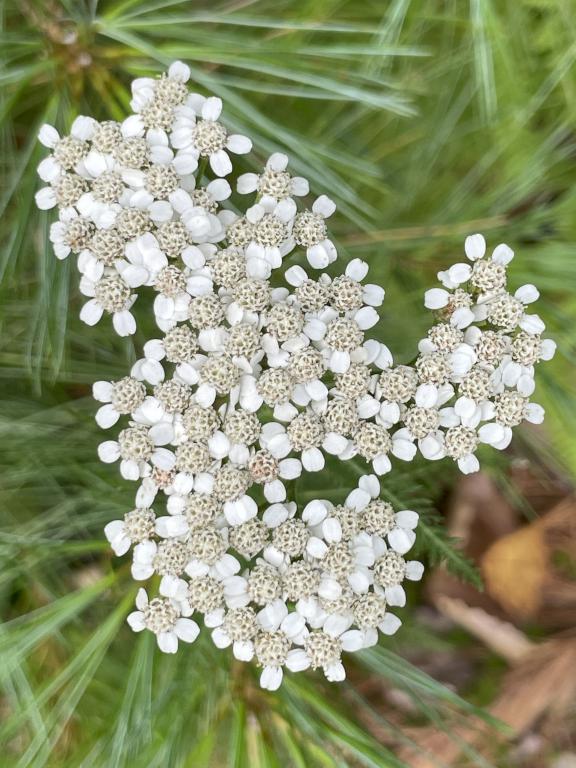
[
  {"x": 522, "y": 573},
  {"x": 500, "y": 636},
  {"x": 543, "y": 684},
  {"x": 515, "y": 569}
]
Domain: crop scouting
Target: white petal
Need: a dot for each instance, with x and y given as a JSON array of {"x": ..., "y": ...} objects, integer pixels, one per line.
[
  {"x": 373, "y": 295},
  {"x": 293, "y": 625},
  {"x": 297, "y": 660},
  {"x": 219, "y": 189},
  {"x": 370, "y": 484},
  {"x": 107, "y": 416},
  {"x": 83, "y": 127},
  {"x": 275, "y": 515},
  {"x": 396, "y": 596},
  {"x": 532, "y": 324},
  {"x": 141, "y": 571},
  {"x": 240, "y": 511},
  {"x": 534, "y": 413},
  {"x": 272, "y": 615},
  {"x": 219, "y": 445},
  {"x": 390, "y": 624},
  {"x": 102, "y": 391},
  {"x": 332, "y": 530},
  {"x": 324, "y": 206},
  {"x": 134, "y": 275},
  {"x": 109, "y": 451},
  {"x": 48, "y": 136},
  {"x": 547, "y": 349},
  {"x": 290, "y": 469},
  {"x": 491, "y": 433},
  {"x": 316, "y": 548},
  {"x": 275, "y": 491},
  {"x": 436, "y": 298},
  {"x": 141, "y": 599},
  {"x": 114, "y": 529},
  {"x": 502, "y": 254},
  {"x": 45, "y": 198},
  {"x": 382, "y": 464},
  {"x": 313, "y": 459},
  {"x": 160, "y": 211},
  {"x": 136, "y": 621},
  {"x": 163, "y": 459},
  {"x": 339, "y": 361},
  {"x": 414, "y": 570},
  {"x": 124, "y": 323},
  {"x": 179, "y": 71},
  {"x": 48, "y": 169},
  {"x": 406, "y": 518},
  {"x": 336, "y": 624},
  {"x": 167, "y": 642},
  {"x": 431, "y": 448},
  {"x": 247, "y": 183},
  {"x": 353, "y": 640},
  {"x": 401, "y": 540},
  {"x": 357, "y": 269},
  {"x": 220, "y": 163},
  {"x": 465, "y": 408},
  {"x": 318, "y": 257},
  {"x": 227, "y": 566},
  {"x": 295, "y": 275},
  {"x": 243, "y": 650},
  {"x": 335, "y": 672},
  {"x": 526, "y": 384},
  {"x": 527, "y": 293},
  {"x": 329, "y": 589},
  {"x": 317, "y": 390},
  {"x": 462, "y": 317},
  {"x": 299, "y": 186},
  {"x": 334, "y": 443},
  {"x": 459, "y": 273},
  {"x": 239, "y": 144},
  {"x": 220, "y": 638},
  {"x": 212, "y": 108},
  {"x": 204, "y": 483},
  {"x": 475, "y": 247},
  {"x": 171, "y": 526},
  {"x": 426, "y": 395},
  {"x": 366, "y": 318},
  {"x": 132, "y": 126},
  {"x": 468, "y": 464},
  {"x": 359, "y": 582},
  {"x": 314, "y": 512},
  {"x": 130, "y": 470},
  {"x": 91, "y": 312},
  {"x": 271, "y": 678},
  {"x": 187, "y": 630},
  {"x": 359, "y": 498}
]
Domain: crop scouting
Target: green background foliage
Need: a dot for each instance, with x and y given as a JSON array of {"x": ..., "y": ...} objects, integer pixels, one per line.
[{"x": 424, "y": 121}]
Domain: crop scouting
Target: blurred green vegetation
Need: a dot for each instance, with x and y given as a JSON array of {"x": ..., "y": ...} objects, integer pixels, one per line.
[{"x": 425, "y": 121}]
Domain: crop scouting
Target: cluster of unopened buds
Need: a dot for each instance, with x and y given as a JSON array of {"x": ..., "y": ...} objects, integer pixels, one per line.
[{"x": 261, "y": 370}]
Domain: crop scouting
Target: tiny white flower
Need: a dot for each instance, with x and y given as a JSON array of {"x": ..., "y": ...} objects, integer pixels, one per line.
[
  {"x": 137, "y": 448},
  {"x": 110, "y": 294},
  {"x": 167, "y": 618},
  {"x": 199, "y": 130},
  {"x": 144, "y": 260},
  {"x": 310, "y": 232},
  {"x": 274, "y": 181}
]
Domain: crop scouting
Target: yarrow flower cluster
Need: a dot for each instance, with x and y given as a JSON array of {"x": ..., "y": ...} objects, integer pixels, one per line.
[{"x": 253, "y": 381}]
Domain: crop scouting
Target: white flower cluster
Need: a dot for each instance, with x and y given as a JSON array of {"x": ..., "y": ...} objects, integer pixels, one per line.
[
  {"x": 260, "y": 371},
  {"x": 475, "y": 372}
]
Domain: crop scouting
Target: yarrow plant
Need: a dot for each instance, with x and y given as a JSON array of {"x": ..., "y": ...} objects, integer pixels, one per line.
[{"x": 260, "y": 371}]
